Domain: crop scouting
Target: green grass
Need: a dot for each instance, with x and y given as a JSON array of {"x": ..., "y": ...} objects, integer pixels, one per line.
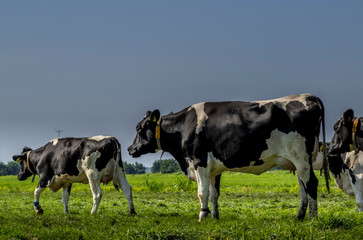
[{"x": 251, "y": 207}]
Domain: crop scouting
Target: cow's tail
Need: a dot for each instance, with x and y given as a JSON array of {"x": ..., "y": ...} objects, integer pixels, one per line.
[
  {"x": 118, "y": 164},
  {"x": 325, "y": 168}
]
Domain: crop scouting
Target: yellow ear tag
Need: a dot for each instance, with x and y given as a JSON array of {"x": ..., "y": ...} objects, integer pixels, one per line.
[
  {"x": 18, "y": 159},
  {"x": 154, "y": 119}
]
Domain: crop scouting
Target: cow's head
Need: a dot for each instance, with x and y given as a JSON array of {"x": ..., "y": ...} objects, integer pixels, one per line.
[
  {"x": 342, "y": 134},
  {"x": 145, "y": 141},
  {"x": 24, "y": 172}
]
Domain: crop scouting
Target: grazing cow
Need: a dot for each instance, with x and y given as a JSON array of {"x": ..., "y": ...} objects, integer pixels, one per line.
[
  {"x": 252, "y": 137},
  {"x": 64, "y": 161},
  {"x": 346, "y": 157}
]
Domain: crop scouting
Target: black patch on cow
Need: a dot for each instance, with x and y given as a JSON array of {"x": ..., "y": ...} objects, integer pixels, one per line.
[
  {"x": 335, "y": 164},
  {"x": 218, "y": 183},
  {"x": 359, "y": 135},
  {"x": 258, "y": 162},
  {"x": 69, "y": 188},
  {"x": 352, "y": 176},
  {"x": 312, "y": 185},
  {"x": 107, "y": 150}
]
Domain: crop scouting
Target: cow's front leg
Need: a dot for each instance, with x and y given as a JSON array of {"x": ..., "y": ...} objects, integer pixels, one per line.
[
  {"x": 203, "y": 191},
  {"x": 38, "y": 209},
  {"x": 42, "y": 184},
  {"x": 357, "y": 186},
  {"x": 65, "y": 196},
  {"x": 214, "y": 195}
]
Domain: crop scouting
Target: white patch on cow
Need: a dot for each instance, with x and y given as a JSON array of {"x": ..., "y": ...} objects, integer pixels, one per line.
[
  {"x": 201, "y": 116},
  {"x": 343, "y": 182},
  {"x": 99, "y": 138},
  {"x": 59, "y": 181},
  {"x": 54, "y": 141},
  {"x": 215, "y": 165},
  {"x": 318, "y": 163},
  {"x": 286, "y": 148},
  {"x": 89, "y": 165},
  {"x": 352, "y": 185},
  {"x": 282, "y": 102}
]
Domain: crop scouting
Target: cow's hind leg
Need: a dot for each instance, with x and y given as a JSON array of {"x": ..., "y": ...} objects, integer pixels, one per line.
[
  {"x": 125, "y": 187},
  {"x": 214, "y": 195},
  {"x": 203, "y": 191},
  {"x": 65, "y": 196},
  {"x": 303, "y": 200},
  {"x": 308, "y": 193},
  {"x": 97, "y": 194}
]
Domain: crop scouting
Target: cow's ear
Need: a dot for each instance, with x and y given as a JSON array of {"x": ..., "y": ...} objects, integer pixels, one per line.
[
  {"x": 348, "y": 116},
  {"x": 155, "y": 115},
  {"x": 26, "y": 149},
  {"x": 18, "y": 158}
]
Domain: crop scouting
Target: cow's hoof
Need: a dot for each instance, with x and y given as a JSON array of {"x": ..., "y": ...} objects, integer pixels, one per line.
[
  {"x": 132, "y": 212},
  {"x": 300, "y": 217},
  {"x": 215, "y": 215},
  {"x": 202, "y": 215},
  {"x": 313, "y": 215},
  {"x": 39, "y": 211}
]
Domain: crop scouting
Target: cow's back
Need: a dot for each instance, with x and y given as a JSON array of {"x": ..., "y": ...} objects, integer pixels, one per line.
[{"x": 239, "y": 130}]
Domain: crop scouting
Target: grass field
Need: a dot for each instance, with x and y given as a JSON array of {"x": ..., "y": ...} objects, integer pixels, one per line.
[{"x": 167, "y": 206}]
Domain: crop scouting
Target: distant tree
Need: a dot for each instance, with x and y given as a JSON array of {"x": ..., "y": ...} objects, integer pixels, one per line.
[
  {"x": 2, "y": 169},
  {"x": 128, "y": 168},
  {"x": 165, "y": 166},
  {"x": 11, "y": 168},
  {"x": 155, "y": 168},
  {"x": 136, "y": 168},
  {"x": 139, "y": 168}
]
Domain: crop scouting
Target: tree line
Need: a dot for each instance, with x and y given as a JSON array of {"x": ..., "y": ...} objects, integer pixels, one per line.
[{"x": 159, "y": 166}]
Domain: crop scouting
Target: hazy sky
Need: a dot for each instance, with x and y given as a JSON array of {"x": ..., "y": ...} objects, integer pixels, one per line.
[{"x": 96, "y": 67}]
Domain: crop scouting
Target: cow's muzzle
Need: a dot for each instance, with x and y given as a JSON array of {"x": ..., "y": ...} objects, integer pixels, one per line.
[{"x": 133, "y": 152}]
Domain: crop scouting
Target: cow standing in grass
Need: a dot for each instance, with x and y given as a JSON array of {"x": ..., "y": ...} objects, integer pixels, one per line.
[
  {"x": 64, "y": 161},
  {"x": 252, "y": 137}
]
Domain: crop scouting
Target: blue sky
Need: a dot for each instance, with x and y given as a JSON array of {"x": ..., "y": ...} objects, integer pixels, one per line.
[{"x": 96, "y": 67}]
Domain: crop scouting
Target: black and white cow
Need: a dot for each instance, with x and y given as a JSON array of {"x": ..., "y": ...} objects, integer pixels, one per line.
[
  {"x": 251, "y": 137},
  {"x": 64, "y": 161},
  {"x": 346, "y": 156}
]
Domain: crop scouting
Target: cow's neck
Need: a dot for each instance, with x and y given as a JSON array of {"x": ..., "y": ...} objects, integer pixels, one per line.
[
  {"x": 33, "y": 158},
  {"x": 171, "y": 136}
]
